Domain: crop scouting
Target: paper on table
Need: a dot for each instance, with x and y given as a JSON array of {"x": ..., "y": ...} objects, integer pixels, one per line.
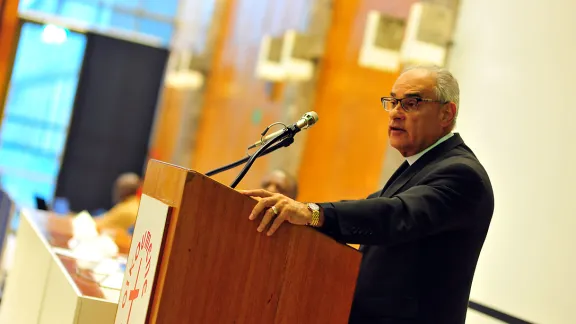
[
  {"x": 91, "y": 252},
  {"x": 108, "y": 267},
  {"x": 113, "y": 281},
  {"x": 84, "y": 226},
  {"x": 89, "y": 247}
]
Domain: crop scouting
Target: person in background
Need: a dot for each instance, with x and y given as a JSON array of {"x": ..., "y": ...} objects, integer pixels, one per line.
[
  {"x": 280, "y": 181},
  {"x": 126, "y": 199}
]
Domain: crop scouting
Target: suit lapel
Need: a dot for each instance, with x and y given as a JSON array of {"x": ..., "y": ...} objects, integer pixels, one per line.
[
  {"x": 395, "y": 176},
  {"x": 407, "y": 174},
  {"x": 406, "y": 171}
]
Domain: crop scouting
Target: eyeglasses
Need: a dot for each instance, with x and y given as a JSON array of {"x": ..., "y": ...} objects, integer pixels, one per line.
[{"x": 408, "y": 104}]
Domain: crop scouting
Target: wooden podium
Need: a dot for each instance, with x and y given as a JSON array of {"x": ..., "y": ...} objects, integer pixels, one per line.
[{"x": 196, "y": 258}]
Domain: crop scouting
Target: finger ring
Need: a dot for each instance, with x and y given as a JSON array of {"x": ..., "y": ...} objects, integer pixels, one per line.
[{"x": 274, "y": 210}]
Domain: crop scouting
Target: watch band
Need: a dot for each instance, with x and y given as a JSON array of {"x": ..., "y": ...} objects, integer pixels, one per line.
[{"x": 315, "y": 209}]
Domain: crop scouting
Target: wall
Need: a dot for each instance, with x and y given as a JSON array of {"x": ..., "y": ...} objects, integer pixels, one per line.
[
  {"x": 515, "y": 63},
  {"x": 112, "y": 116},
  {"x": 344, "y": 153},
  {"x": 8, "y": 39},
  {"x": 237, "y": 106},
  {"x": 199, "y": 30}
]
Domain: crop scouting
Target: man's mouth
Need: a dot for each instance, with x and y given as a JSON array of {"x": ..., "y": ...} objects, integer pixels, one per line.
[{"x": 398, "y": 129}]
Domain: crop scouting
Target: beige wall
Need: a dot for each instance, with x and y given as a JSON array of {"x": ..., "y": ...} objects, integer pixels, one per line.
[{"x": 515, "y": 61}]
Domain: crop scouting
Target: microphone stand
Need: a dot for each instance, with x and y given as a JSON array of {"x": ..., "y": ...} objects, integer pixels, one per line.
[
  {"x": 287, "y": 141},
  {"x": 281, "y": 137}
]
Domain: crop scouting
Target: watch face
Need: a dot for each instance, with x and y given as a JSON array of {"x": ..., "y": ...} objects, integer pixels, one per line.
[{"x": 314, "y": 207}]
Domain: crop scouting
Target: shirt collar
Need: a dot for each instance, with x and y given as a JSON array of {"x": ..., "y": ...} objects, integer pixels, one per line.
[{"x": 412, "y": 159}]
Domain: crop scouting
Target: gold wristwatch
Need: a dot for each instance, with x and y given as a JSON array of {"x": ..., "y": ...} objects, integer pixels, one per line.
[{"x": 315, "y": 209}]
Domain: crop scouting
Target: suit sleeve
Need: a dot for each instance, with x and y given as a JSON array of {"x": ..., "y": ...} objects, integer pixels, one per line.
[{"x": 445, "y": 200}]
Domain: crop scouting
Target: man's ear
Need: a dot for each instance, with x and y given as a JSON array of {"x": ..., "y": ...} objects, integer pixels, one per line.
[{"x": 448, "y": 114}]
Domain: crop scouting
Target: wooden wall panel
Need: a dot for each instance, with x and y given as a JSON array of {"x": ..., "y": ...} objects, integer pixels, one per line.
[
  {"x": 233, "y": 94},
  {"x": 198, "y": 31},
  {"x": 165, "y": 135},
  {"x": 344, "y": 153},
  {"x": 8, "y": 42}
]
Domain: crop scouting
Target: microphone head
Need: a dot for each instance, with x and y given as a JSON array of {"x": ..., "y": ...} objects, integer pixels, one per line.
[{"x": 311, "y": 118}]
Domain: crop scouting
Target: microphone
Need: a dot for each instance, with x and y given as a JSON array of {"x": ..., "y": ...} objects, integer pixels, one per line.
[{"x": 306, "y": 121}]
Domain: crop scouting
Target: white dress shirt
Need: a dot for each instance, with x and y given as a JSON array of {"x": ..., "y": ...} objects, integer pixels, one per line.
[{"x": 415, "y": 157}]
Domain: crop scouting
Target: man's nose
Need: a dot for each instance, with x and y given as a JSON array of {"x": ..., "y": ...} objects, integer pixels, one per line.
[{"x": 397, "y": 113}]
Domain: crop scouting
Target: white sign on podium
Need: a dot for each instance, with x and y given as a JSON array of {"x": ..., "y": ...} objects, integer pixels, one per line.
[{"x": 142, "y": 261}]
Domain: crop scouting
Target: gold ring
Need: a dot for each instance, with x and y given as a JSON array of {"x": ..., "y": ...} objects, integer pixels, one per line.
[{"x": 274, "y": 210}]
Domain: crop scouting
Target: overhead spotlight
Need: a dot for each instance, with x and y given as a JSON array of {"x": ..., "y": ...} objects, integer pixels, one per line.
[{"x": 53, "y": 34}]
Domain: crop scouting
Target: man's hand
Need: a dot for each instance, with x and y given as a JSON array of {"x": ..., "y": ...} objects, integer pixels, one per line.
[{"x": 287, "y": 209}]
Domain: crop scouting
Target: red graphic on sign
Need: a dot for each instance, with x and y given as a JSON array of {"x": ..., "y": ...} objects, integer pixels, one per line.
[{"x": 132, "y": 293}]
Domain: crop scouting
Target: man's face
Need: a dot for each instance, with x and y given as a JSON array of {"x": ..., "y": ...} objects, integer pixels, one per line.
[
  {"x": 413, "y": 131},
  {"x": 277, "y": 182}
]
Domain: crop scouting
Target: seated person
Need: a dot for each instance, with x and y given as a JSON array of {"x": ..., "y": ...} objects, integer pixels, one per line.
[
  {"x": 280, "y": 181},
  {"x": 126, "y": 198}
]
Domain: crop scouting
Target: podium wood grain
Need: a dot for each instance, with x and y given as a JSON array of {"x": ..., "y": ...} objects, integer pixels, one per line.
[{"x": 215, "y": 267}]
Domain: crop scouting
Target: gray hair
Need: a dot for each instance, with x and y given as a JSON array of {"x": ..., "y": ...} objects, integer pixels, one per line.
[{"x": 447, "y": 88}]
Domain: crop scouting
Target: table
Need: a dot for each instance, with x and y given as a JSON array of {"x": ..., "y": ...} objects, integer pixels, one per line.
[{"x": 45, "y": 285}]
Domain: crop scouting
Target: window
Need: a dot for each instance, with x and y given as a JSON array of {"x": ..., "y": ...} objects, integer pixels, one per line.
[
  {"x": 81, "y": 10},
  {"x": 151, "y": 17},
  {"x": 156, "y": 28},
  {"x": 44, "y": 80},
  {"x": 38, "y": 110},
  {"x": 119, "y": 20},
  {"x": 164, "y": 7},
  {"x": 47, "y": 6}
]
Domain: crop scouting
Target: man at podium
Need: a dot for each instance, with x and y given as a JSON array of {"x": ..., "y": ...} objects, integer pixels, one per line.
[{"x": 420, "y": 235}]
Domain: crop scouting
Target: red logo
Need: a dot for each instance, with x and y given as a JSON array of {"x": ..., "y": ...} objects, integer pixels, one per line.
[{"x": 133, "y": 292}]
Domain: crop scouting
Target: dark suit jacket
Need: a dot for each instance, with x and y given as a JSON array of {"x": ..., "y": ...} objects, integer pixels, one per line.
[{"x": 421, "y": 235}]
